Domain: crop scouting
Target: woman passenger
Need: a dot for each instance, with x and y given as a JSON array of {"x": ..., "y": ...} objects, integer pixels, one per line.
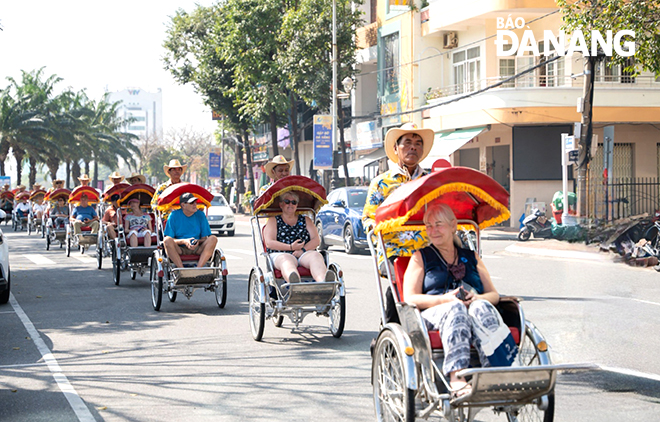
[
  {"x": 137, "y": 224},
  {"x": 433, "y": 282},
  {"x": 292, "y": 240}
]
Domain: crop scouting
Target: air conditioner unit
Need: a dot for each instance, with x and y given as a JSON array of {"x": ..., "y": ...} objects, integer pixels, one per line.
[{"x": 450, "y": 40}]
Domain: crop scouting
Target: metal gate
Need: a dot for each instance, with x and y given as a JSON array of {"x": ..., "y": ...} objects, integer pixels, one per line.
[{"x": 619, "y": 199}]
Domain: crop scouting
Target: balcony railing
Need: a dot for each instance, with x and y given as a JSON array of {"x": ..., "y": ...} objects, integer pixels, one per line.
[
  {"x": 367, "y": 36},
  {"x": 542, "y": 82}
]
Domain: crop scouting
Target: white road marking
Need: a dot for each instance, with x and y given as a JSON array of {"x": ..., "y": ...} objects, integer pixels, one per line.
[
  {"x": 84, "y": 258},
  {"x": 243, "y": 251},
  {"x": 39, "y": 259},
  {"x": 76, "y": 403},
  {"x": 645, "y": 301},
  {"x": 491, "y": 257},
  {"x": 233, "y": 257},
  {"x": 632, "y": 372},
  {"x": 556, "y": 254}
]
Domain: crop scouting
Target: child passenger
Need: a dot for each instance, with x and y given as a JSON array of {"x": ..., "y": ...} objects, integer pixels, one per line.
[{"x": 137, "y": 224}]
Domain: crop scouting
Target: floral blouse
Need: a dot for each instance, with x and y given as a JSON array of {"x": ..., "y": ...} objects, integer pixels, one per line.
[{"x": 397, "y": 243}]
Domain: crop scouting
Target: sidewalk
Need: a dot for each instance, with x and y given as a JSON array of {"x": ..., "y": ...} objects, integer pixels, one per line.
[{"x": 545, "y": 247}]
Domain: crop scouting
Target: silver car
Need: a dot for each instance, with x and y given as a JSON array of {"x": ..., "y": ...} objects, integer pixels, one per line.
[{"x": 221, "y": 217}]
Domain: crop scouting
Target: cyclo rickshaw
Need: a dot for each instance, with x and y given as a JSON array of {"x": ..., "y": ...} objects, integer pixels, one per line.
[
  {"x": 55, "y": 232},
  {"x": 269, "y": 296},
  {"x": 164, "y": 276},
  {"x": 85, "y": 239},
  {"x": 7, "y": 201},
  {"x": 125, "y": 256},
  {"x": 19, "y": 222},
  {"x": 407, "y": 382},
  {"x": 33, "y": 222},
  {"x": 104, "y": 244}
]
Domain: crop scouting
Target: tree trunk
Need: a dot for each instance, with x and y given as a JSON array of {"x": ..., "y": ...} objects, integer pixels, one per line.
[
  {"x": 240, "y": 186},
  {"x": 19, "y": 154},
  {"x": 293, "y": 135},
  {"x": 96, "y": 173},
  {"x": 4, "y": 151},
  {"x": 273, "y": 133},
  {"x": 343, "y": 145},
  {"x": 32, "y": 179},
  {"x": 584, "y": 145},
  {"x": 68, "y": 175},
  {"x": 75, "y": 172},
  {"x": 53, "y": 165},
  {"x": 87, "y": 168},
  {"x": 248, "y": 152}
]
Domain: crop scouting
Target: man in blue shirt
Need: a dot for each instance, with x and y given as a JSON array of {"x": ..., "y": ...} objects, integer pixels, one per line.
[
  {"x": 84, "y": 215},
  {"x": 188, "y": 233}
]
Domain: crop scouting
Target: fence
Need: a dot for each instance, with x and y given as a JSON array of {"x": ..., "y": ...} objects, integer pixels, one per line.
[{"x": 624, "y": 197}]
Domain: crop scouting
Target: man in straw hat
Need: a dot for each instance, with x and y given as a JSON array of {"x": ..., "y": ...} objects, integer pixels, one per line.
[
  {"x": 406, "y": 146},
  {"x": 84, "y": 180},
  {"x": 276, "y": 169},
  {"x": 174, "y": 170},
  {"x": 57, "y": 184},
  {"x": 116, "y": 178},
  {"x": 136, "y": 178}
]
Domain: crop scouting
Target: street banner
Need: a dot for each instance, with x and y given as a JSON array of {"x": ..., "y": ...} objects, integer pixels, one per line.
[
  {"x": 5, "y": 180},
  {"x": 322, "y": 142},
  {"x": 367, "y": 136},
  {"x": 215, "y": 160}
]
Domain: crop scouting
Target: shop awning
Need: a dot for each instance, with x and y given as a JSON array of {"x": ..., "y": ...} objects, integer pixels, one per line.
[
  {"x": 446, "y": 143},
  {"x": 355, "y": 167}
]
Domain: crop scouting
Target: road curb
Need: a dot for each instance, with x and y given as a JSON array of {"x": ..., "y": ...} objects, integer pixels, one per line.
[{"x": 553, "y": 253}]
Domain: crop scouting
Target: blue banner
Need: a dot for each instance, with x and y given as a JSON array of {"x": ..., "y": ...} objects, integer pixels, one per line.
[
  {"x": 322, "y": 142},
  {"x": 214, "y": 163}
]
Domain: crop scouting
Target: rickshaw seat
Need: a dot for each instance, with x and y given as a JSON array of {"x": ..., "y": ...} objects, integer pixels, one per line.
[
  {"x": 304, "y": 272},
  {"x": 400, "y": 266},
  {"x": 188, "y": 258}
]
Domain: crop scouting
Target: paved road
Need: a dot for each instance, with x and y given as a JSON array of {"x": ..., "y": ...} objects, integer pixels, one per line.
[{"x": 100, "y": 352}]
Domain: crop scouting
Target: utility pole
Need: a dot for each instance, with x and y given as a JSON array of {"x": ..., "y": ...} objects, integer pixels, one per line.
[
  {"x": 586, "y": 134},
  {"x": 334, "y": 86}
]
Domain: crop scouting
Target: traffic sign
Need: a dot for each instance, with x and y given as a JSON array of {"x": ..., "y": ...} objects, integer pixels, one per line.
[
  {"x": 573, "y": 156},
  {"x": 569, "y": 143}
]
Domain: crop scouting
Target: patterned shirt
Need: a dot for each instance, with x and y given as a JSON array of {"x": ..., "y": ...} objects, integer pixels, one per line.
[
  {"x": 289, "y": 234},
  {"x": 398, "y": 243},
  {"x": 265, "y": 187},
  {"x": 154, "y": 199}
]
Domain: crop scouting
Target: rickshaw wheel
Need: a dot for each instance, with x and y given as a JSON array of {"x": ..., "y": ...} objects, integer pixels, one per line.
[
  {"x": 133, "y": 274},
  {"x": 221, "y": 288},
  {"x": 99, "y": 250},
  {"x": 156, "y": 286},
  {"x": 393, "y": 400},
  {"x": 529, "y": 357},
  {"x": 257, "y": 309},
  {"x": 171, "y": 295},
  {"x": 116, "y": 267},
  {"x": 278, "y": 321},
  {"x": 29, "y": 228},
  {"x": 68, "y": 246},
  {"x": 338, "y": 315},
  {"x": 48, "y": 243}
]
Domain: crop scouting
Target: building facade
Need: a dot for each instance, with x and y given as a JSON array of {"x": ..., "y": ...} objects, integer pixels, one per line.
[{"x": 146, "y": 108}]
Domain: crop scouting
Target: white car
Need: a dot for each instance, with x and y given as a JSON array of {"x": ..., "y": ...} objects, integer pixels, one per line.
[
  {"x": 221, "y": 217},
  {"x": 5, "y": 278}
]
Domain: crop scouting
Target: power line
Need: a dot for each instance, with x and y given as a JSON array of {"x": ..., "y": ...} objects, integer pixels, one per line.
[
  {"x": 471, "y": 94},
  {"x": 445, "y": 52}
]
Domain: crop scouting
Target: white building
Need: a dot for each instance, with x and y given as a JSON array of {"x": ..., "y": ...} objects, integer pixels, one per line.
[{"x": 145, "y": 107}]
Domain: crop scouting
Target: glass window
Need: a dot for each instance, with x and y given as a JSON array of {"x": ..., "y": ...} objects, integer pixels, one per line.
[
  {"x": 357, "y": 198},
  {"x": 391, "y": 64},
  {"x": 467, "y": 70},
  {"x": 507, "y": 70},
  {"x": 219, "y": 201}
]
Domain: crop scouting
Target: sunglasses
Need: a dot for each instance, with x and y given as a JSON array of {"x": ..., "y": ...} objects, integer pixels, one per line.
[{"x": 290, "y": 201}]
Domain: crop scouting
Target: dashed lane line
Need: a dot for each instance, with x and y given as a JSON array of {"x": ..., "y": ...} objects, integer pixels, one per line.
[
  {"x": 243, "y": 251},
  {"x": 76, "y": 403},
  {"x": 39, "y": 259}
]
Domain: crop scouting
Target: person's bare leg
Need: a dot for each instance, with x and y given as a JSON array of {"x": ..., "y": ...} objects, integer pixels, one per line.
[
  {"x": 173, "y": 251},
  {"x": 147, "y": 239},
  {"x": 287, "y": 264},
  {"x": 133, "y": 240},
  {"x": 110, "y": 228},
  {"x": 459, "y": 385},
  {"x": 208, "y": 246},
  {"x": 314, "y": 261}
]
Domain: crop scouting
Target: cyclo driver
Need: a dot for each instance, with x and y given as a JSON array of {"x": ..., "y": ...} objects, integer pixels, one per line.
[{"x": 188, "y": 233}]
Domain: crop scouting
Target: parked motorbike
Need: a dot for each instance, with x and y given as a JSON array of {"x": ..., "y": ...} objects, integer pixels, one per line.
[{"x": 535, "y": 223}]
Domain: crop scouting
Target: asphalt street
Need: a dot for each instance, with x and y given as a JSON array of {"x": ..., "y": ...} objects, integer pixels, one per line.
[{"x": 73, "y": 346}]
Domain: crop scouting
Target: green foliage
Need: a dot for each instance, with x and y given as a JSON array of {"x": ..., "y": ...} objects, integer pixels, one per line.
[{"x": 640, "y": 16}]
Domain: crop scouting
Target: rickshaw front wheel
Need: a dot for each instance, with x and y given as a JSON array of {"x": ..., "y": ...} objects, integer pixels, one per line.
[
  {"x": 529, "y": 356},
  {"x": 393, "y": 400},
  {"x": 171, "y": 295},
  {"x": 156, "y": 285},
  {"x": 257, "y": 309},
  {"x": 338, "y": 315},
  {"x": 221, "y": 286}
]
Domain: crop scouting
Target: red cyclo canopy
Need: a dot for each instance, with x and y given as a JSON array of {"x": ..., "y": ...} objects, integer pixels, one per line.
[
  {"x": 36, "y": 193},
  {"x": 140, "y": 191},
  {"x": 312, "y": 195},
  {"x": 92, "y": 194},
  {"x": 472, "y": 195},
  {"x": 169, "y": 198},
  {"x": 64, "y": 193},
  {"x": 7, "y": 195},
  {"x": 118, "y": 188}
]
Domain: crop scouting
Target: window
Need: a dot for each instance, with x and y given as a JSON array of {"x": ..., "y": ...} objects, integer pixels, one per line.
[
  {"x": 219, "y": 201},
  {"x": 397, "y": 6},
  {"x": 467, "y": 70},
  {"x": 507, "y": 70},
  {"x": 616, "y": 73},
  {"x": 357, "y": 198},
  {"x": 552, "y": 74},
  {"x": 391, "y": 64}
]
